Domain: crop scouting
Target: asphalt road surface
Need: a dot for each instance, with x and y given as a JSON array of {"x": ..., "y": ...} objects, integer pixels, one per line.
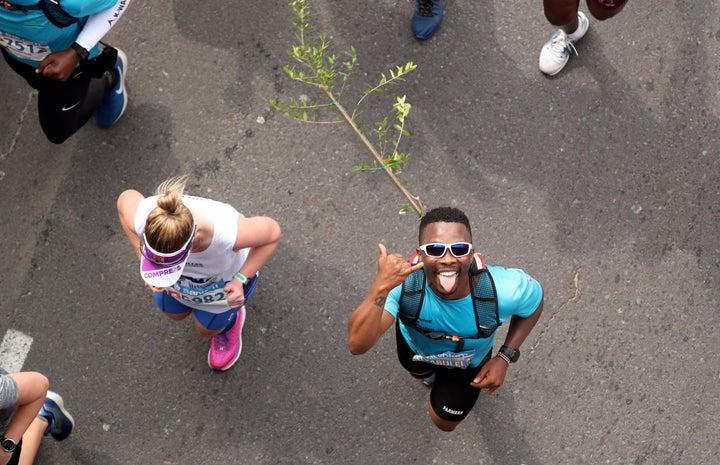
[{"x": 602, "y": 183}]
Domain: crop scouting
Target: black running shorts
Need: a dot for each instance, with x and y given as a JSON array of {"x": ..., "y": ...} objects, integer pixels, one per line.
[{"x": 451, "y": 395}]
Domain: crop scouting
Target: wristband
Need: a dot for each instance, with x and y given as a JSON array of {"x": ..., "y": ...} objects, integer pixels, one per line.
[
  {"x": 504, "y": 357},
  {"x": 81, "y": 51},
  {"x": 511, "y": 354},
  {"x": 241, "y": 277}
]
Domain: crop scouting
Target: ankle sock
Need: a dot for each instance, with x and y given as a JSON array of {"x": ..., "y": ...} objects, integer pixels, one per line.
[{"x": 576, "y": 34}]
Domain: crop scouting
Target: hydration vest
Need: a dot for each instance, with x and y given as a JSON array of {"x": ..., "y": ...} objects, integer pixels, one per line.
[
  {"x": 484, "y": 300},
  {"x": 51, "y": 8}
]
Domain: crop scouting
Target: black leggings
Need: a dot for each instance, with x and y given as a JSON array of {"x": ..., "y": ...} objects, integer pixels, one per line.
[
  {"x": 451, "y": 396},
  {"x": 63, "y": 107}
]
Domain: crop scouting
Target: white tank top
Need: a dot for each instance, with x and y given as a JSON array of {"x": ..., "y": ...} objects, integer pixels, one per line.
[{"x": 205, "y": 273}]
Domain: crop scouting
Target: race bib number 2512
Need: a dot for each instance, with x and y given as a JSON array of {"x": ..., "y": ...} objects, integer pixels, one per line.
[{"x": 22, "y": 48}]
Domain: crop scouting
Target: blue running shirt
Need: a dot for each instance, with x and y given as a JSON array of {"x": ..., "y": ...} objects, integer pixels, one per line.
[
  {"x": 30, "y": 37},
  {"x": 517, "y": 292}
]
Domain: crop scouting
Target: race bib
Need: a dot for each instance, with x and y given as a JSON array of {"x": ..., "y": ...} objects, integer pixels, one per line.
[
  {"x": 23, "y": 49},
  {"x": 208, "y": 292},
  {"x": 448, "y": 359}
]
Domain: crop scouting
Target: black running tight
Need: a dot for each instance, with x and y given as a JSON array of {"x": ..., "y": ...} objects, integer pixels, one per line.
[{"x": 63, "y": 107}]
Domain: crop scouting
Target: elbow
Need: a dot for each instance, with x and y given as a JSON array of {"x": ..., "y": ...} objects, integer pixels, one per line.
[
  {"x": 357, "y": 350},
  {"x": 273, "y": 232},
  {"x": 357, "y": 347},
  {"x": 361, "y": 337},
  {"x": 276, "y": 231}
]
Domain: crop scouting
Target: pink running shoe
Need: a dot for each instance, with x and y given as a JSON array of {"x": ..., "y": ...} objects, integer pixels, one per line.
[{"x": 225, "y": 348}]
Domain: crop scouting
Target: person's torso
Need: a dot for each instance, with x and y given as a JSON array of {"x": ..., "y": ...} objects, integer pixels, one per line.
[
  {"x": 453, "y": 318},
  {"x": 30, "y": 36},
  {"x": 517, "y": 293},
  {"x": 205, "y": 273}
]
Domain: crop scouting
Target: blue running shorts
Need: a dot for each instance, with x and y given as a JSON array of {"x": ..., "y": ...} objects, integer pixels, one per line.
[{"x": 210, "y": 321}]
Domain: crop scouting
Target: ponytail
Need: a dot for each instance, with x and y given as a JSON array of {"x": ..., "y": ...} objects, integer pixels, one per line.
[{"x": 169, "y": 225}]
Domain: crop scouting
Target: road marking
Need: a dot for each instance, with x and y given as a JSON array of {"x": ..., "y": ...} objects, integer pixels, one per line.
[{"x": 13, "y": 350}]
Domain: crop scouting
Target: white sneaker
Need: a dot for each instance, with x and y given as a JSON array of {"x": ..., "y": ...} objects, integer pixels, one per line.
[{"x": 556, "y": 51}]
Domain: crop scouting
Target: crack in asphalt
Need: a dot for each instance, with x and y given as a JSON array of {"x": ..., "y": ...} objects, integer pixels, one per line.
[
  {"x": 576, "y": 281},
  {"x": 15, "y": 138}
]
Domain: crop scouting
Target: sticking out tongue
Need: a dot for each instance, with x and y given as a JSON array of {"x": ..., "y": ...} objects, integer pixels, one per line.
[{"x": 447, "y": 281}]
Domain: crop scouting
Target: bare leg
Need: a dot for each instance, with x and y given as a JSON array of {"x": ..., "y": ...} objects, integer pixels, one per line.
[
  {"x": 31, "y": 441},
  {"x": 177, "y": 316},
  {"x": 444, "y": 425},
  {"x": 562, "y": 13},
  {"x": 32, "y": 388},
  {"x": 206, "y": 332}
]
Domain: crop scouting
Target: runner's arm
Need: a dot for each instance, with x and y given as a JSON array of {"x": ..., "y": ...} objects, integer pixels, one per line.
[
  {"x": 262, "y": 235},
  {"x": 520, "y": 327},
  {"x": 99, "y": 24},
  {"x": 127, "y": 205},
  {"x": 369, "y": 320},
  {"x": 61, "y": 64},
  {"x": 492, "y": 374}
]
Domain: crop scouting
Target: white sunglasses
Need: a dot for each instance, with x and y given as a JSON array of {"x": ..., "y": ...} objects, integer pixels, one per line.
[{"x": 437, "y": 249}]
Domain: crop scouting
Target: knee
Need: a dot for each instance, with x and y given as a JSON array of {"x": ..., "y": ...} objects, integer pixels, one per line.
[
  {"x": 58, "y": 127},
  {"x": 57, "y": 138},
  {"x": 203, "y": 331},
  {"x": 444, "y": 425},
  {"x": 42, "y": 381},
  {"x": 35, "y": 383},
  {"x": 441, "y": 423}
]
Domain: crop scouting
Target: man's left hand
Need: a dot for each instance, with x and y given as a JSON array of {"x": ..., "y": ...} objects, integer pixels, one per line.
[
  {"x": 58, "y": 65},
  {"x": 491, "y": 376}
]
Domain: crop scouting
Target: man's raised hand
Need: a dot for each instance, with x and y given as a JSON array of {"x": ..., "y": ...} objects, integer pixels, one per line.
[{"x": 393, "y": 269}]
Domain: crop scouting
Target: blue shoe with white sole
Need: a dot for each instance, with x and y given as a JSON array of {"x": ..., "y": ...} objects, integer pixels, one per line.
[
  {"x": 60, "y": 422},
  {"x": 114, "y": 102}
]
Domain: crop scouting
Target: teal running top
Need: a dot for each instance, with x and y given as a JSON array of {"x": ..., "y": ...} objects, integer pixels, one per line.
[
  {"x": 517, "y": 293},
  {"x": 30, "y": 36}
]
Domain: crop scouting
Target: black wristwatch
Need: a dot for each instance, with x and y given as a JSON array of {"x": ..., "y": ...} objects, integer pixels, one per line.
[
  {"x": 512, "y": 354},
  {"x": 8, "y": 445},
  {"x": 81, "y": 51}
]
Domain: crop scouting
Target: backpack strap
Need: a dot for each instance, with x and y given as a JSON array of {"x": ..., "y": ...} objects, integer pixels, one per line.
[
  {"x": 24, "y": 8},
  {"x": 51, "y": 8},
  {"x": 412, "y": 296},
  {"x": 56, "y": 14},
  {"x": 484, "y": 299}
]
